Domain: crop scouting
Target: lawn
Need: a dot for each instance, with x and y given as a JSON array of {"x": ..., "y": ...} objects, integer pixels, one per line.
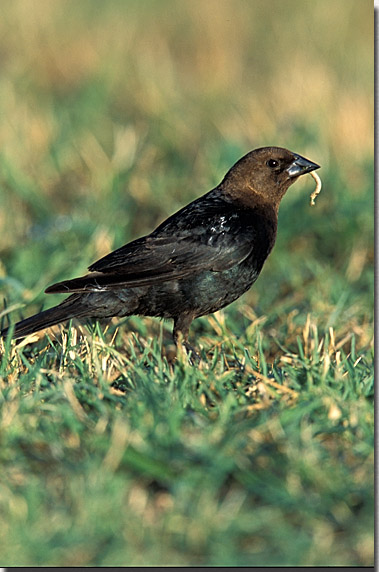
[{"x": 114, "y": 115}]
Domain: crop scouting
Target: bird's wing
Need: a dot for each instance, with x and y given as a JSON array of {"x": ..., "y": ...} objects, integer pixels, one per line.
[
  {"x": 168, "y": 254},
  {"x": 173, "y": 257}
]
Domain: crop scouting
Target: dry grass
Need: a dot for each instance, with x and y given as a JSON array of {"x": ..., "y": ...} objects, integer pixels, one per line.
[{"x": 115, "y": 114}]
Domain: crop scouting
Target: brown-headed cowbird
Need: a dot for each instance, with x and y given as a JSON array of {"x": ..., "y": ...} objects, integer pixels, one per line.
[{"x": 197, "y": 261}]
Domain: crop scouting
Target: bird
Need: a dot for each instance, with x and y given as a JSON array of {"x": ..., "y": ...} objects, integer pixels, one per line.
[{"x": 199, "y": 260}]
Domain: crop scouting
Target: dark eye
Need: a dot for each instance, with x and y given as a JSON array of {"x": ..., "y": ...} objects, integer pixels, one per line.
[{"x": 272, "y": 163}]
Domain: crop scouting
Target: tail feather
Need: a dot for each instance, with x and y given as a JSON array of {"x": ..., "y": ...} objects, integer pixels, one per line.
[{"x": 70, "y": 308}]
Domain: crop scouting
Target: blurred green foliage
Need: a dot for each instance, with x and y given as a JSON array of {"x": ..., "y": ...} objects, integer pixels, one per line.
[{"x": 114, "y": 115}]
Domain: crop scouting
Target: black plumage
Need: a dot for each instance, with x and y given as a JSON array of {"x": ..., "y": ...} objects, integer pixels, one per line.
[{"x": 197, "y": 261}]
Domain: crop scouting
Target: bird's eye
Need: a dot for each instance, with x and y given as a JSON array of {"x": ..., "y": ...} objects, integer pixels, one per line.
[{"x": 272, "y": 163}]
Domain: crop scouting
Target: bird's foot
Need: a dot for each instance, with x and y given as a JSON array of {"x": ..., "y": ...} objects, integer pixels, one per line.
[
  {"x": 193, "y": 356},
  {"x": 185, "y": 350}
]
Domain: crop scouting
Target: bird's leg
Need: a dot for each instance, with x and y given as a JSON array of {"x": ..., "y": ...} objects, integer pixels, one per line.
[{"x": 180, "y": 335}]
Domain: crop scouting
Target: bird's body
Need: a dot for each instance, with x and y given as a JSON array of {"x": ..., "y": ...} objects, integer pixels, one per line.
[{"x": 197, "y": 261}]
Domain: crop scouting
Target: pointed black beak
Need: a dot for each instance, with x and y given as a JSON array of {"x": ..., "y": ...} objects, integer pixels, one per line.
[{"x": 301, "y": 166}]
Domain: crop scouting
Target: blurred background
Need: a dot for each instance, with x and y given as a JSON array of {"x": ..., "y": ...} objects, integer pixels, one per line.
[{"x": 115, "y": 114}]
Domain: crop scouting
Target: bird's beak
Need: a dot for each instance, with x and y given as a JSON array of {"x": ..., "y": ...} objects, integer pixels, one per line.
[{"x": 301, "y": 166}]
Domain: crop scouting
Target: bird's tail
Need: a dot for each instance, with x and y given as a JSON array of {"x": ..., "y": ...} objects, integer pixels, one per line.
[{"x": 72, "y": 307}]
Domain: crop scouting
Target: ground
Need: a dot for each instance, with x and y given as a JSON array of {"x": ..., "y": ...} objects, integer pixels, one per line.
[{"x": 114, "y": 115}]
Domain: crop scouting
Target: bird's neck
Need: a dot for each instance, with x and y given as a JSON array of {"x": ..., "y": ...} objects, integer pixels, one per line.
[{"x": 246, "y": 197}]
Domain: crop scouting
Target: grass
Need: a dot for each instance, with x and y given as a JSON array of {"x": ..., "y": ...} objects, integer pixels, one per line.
[{"x": 115, "y": 115}]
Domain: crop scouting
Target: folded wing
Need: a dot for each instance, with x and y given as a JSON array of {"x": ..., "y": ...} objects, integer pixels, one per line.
[{"x": 212, "y": 241}]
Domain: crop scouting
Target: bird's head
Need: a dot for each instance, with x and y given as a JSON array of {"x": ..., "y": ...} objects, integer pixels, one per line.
[{"x": 265, "y": 174}]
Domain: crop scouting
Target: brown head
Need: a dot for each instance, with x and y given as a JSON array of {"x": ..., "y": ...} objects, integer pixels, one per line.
[{"x": 264, "y": 175}]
